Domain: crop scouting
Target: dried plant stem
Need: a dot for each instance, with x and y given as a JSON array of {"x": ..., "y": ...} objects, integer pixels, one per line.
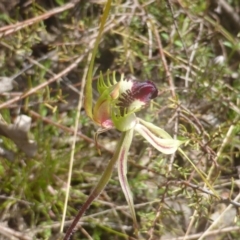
[
  {"x": 40, "y": 86},
  {"x": 7, "y": 30},
  {"x": 225, "y": 141},
  {"x": 193, "y": 54},
  {"x": 218, "y": 219},
  {"x": 67, "y": 129},
  {"x": 164, "y": 61},
  {"x": 12, "y": 234},
  {"x": 80, "y": 104},
  {"x": 210, "y": 233}
]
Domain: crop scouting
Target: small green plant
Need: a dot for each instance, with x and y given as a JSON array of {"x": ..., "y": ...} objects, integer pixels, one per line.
[{"x": 115, "y": 108}]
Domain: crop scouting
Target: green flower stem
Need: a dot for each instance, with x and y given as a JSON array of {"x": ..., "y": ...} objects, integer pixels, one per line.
[{"x": 100, "y": 186}]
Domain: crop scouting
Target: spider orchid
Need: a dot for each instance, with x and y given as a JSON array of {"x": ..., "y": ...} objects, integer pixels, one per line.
[{"x": 115, "y": 108}]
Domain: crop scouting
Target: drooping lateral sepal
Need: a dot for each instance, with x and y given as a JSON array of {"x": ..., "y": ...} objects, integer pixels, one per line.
[{"x": 122, "y": 172}]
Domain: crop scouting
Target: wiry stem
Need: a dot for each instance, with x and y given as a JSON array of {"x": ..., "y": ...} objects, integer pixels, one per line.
[{"x": 98, "y": 189}]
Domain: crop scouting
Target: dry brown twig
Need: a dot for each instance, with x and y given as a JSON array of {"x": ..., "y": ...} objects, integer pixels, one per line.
[
  {"x": 64, "y": 128},
  {"x": 7, "y": 30},
  {"x": 109, "y": 25},
  {"x": 164, "y": 61},
  {"x": 40, "y": 86},
  {"x": 12, "y": 234}
]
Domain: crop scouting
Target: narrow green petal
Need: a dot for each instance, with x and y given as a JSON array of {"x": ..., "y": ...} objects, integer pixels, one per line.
[
  {"x": 166, "y": 146},
  {"x": 122, "y": 172}
]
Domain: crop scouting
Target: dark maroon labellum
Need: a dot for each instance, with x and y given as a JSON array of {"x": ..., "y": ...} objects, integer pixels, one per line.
[
  {"x": 141, "y": 91},
  {"x": 144, "y": 91}
]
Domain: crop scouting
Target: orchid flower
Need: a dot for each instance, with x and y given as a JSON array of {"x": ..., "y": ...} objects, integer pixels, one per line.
[{"x": 116, "y": 108}]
